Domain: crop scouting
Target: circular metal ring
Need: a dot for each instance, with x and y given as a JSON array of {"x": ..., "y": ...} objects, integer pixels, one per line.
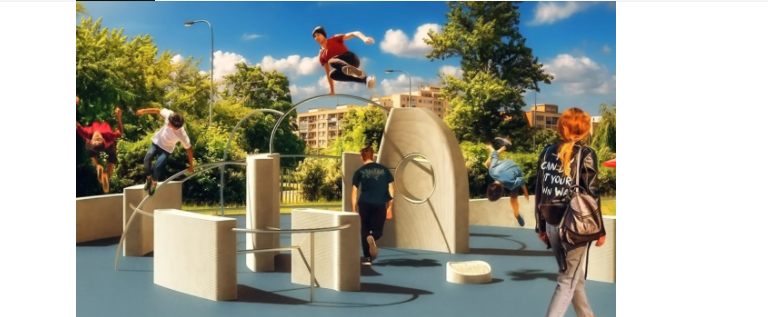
[{"x": 409, "y": 158}]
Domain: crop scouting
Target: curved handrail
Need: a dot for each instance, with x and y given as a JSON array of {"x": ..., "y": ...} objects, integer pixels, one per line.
[
  {"x": 274, "y": 230},
  {"x": 408, "y": 158},
  {"x": 226, "y": 150},
  {"x": 130, "y": 220},
  {"x": 274, "y": 129}
]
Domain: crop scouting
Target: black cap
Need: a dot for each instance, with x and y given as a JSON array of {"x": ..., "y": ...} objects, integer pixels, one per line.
[{"x": 320, "y": 30}]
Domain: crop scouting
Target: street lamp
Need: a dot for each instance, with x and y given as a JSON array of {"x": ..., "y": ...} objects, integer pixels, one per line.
[
  {"x": 210, "y": 108},
  {"x": 410, "y": 91}
]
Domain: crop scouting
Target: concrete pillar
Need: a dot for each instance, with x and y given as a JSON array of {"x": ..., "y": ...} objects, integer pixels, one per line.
[
  {"x": 262, "y": 209},
  {"x": 139, "y": 240}
]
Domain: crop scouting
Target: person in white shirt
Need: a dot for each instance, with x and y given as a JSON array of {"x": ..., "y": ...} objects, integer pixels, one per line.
[{"x": 163, "y": 144}]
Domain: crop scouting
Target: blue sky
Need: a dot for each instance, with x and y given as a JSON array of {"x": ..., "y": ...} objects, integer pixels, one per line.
[{"x": 575, "y": 40}]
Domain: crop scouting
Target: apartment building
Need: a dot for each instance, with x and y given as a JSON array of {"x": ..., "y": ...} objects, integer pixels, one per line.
[
  {"x": 320, "y": 127},
  {"x": 546, "y": 116},
  {"x": 427, "y": 96}
]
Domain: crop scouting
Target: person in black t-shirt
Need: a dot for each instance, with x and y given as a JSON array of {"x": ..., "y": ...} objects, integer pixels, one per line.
[{"x": 374, "y": 182}]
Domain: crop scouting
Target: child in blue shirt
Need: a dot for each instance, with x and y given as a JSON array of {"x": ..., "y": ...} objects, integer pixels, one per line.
[{"x": 506, "y": 174}]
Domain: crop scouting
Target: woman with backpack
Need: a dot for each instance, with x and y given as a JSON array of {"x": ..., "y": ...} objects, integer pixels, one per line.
[{"x": 569, "y": 229}]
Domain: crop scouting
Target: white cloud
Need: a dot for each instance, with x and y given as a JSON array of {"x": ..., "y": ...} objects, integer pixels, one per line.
[
  {"x": 581, "y": 75},
  {"x": 452, "y": 70},
  {"x": 397, "y": 43},
  {"x": 177, "y": 59},
  {"x": 551, "y": 12},
  {"x": 250, "y": 37},
  {"x": 606, "y": 49},
  {"x": 224, "y": 64},
  {"x": 292, "y": 66}
]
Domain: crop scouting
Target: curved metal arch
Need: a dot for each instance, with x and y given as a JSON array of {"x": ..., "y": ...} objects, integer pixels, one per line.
[
  {"x": 274, "y": 129},
  {"x": 408, "y": 158},
  {"x": 203, "y": 168},
  {"x": 226, "y": 150}
]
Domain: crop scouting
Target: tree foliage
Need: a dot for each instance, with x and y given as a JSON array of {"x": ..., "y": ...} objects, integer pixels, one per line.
[
  {"x": 498, "y": 68},
  {"x": 113, "y": 70}
]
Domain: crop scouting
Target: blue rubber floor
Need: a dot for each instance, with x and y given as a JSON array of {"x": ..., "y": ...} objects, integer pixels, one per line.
[{"x": 400, "y": 283}]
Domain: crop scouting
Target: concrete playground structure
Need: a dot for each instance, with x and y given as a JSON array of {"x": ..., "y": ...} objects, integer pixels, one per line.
[
  {"x": 198, "y": 255},
  {"x": 431, "y": 203}
]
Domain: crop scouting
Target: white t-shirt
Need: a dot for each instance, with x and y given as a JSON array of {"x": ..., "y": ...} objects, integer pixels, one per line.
[{"x": 166, "y": 138}]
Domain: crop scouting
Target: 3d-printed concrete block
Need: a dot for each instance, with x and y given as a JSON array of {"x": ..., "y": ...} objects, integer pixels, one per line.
[
  {"x": 470, "y": 272},
  {"x": 262, "y": 205},
  {"x": 441, "y": 223},
  {"x": 139, "y": 238},
  {"x": 196, "y": 254},
  {"x": 602, "y": 259},
  {"x": 483, "y": 212},
  {"x": 99, "y": 217},
  {"x": 337, "y": 253}
]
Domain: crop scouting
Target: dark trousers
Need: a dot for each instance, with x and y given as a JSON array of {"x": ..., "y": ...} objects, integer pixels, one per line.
[
  {"x": 372, "y": 219},
  {"x": 344, "y": 59},
  {"x": 162, "y": 158}
]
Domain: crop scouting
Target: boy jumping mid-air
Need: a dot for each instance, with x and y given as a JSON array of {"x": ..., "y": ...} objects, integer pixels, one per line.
[
  {"x": 506, "y": 174},
  {"x": 99, "y": 137},
  {"x": 334, "y": 54},
  {"x": 163, "y": 144}
]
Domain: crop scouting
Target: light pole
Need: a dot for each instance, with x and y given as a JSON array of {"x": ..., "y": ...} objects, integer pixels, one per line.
[
  {"x": 410, "y": 91},
  {"x": 210, "y": 108}
]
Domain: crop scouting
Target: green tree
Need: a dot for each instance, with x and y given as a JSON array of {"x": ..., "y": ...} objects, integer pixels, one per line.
[
  {"x": 363, "y": 126},
  {"x": 497, "y": 68}
]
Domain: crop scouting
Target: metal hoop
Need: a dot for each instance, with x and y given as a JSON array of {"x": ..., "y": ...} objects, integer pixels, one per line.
[{"x": 409, "y": 158}]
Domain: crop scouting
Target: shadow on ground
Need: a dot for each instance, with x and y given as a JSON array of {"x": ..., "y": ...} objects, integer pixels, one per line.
[
  {"x": 527, "y": 275},
  {"x": 408, "y": 262}
]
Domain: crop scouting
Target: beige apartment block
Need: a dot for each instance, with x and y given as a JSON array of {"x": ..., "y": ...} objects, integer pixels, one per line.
[
  {"x": 427, "y": 97},
  {"x": 320, "y": 127}
]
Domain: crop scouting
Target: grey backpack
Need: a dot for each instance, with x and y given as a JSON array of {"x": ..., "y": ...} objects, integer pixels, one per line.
[{"x": 582, "y": 222}]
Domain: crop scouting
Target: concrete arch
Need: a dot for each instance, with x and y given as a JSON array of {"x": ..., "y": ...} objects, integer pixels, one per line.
[{"x": 438, "y": 221}]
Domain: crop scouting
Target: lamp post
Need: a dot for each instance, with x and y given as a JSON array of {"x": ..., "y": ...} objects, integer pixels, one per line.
[
  {"x": 210, "y": 108},
  {"x": 410, "y": 91}
]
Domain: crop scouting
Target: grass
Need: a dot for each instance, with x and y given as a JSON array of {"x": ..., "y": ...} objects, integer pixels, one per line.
[
  {"x": 608, "y": 206},
  {"x": 233, "y": 210}
]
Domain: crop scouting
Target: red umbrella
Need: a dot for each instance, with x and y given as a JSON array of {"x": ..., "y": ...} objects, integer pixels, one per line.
[{"x": 611, "y": 163}]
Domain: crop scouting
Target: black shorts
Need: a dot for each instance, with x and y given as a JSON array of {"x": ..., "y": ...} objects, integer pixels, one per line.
[{"x": 111, "y": 152}]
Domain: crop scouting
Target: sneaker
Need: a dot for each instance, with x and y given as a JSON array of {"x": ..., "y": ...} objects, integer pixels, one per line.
[
  {"x": 371, "y": 82},
  {"x": 372, "y": 246},
  {"x": 520, "y": 220},
  {"x": 353, "y": 71},
  {"x": 147, "y": 184},
  {"x": 502, "y": 142},
  {"x": 367, "y": 262},
  {"x": 152, "y": 188}
]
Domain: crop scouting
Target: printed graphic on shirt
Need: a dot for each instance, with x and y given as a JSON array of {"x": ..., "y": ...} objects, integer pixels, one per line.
[
  {"x": 554, "y": 182},
  {"x": 372, "y": 173}
]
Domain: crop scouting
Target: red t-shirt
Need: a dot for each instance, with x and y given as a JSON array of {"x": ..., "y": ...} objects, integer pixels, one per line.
[
  {"x": 102, "y": 127},
  {"x": 334, "y": 47}
]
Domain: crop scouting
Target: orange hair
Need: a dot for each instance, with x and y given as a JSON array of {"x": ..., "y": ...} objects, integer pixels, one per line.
[{"x": 572, "y": 126}]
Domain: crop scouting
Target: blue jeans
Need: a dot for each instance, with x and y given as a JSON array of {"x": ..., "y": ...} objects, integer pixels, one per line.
[{"x": 162, "y": 158}]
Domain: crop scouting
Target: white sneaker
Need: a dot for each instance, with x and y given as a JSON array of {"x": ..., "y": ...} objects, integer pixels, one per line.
[
  {"x": 371, "y": 82},
  {"x": 353, "y": 71}
]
